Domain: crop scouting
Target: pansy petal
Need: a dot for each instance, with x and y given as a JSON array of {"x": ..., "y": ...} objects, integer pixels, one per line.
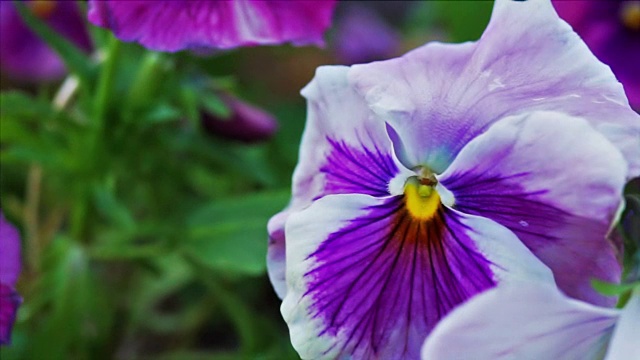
[
  {"x": 367, "y": 281},
  {"x": 624, "y": 343},
  {"x": 177, "y": 25},
  {"x": 440, "y": 96},
  {"x": 276, "y": 261},
  {"x": 525, "y": 321},
  {"x": 9, "y": 302},
  {"x": 9, "y": 270},
  {"x": 556, "y": 183},
  {"x": 10, "y": 261},
  {"x": 345, "y": 149}
]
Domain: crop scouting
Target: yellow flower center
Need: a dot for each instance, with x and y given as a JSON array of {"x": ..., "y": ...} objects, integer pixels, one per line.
[
  {"x": 42, "y": 8},
  {"x": 421, "y": 198},
  {"x": 630, "y": 15}
]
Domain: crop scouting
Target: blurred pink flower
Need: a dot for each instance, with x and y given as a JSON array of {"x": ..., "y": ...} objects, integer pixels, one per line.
[
  {"x": 9, "y": 271},
  {"x": 246, "y": 123}
]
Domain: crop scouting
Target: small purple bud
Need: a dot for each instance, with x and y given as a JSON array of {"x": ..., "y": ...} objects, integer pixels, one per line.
[{"x": 246, "y": 123}]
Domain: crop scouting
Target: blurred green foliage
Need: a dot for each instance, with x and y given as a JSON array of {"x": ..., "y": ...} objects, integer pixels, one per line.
[{"x": 143, "y": 236}]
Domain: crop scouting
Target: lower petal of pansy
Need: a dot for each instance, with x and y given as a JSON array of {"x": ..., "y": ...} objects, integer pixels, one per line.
[
  {"x": 344, "y": 150},
  {"x": 556, "y": 183},
  {"x": 624, "y": 341},
  {"x": 526, "y": 321},
  {"x": 368, "y": 278}
]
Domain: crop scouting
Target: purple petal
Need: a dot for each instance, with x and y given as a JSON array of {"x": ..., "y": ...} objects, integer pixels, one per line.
[
  {"x": 23, "y": 55},
  {"x": 178, "y": 25},
  {"x": 9, "y": 270},
  {"x": 9, "y": 302},
  {"x": 557, "y": 184},
  {"x": 440, "y": 96},
  {"x": 624, "y": 343},
  {"x": 527, "y": 321},
  {"x": 10, "y": 256},
  {"x": 344, "y": 150},
  {"x": 368, "y": 281}
]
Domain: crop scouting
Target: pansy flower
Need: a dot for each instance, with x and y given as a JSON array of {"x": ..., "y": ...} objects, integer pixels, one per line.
[
  {"x": 26, "y": 57},
  {"x": 535, "y": 322},
  {"x": 430, "y": 178},
  {"x": 612, "y": 31},
  {"x": 9, "y": 271},
  {"x": 166, "y": 25}
]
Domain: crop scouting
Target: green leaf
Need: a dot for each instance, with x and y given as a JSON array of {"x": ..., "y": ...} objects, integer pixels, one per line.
[
  {"x": 231, "y": 235},
  {"x": 465, "y": 20},
  {"x": 75, "y": 60},
  {"x": 611, "y": 289},
  {"x": 21, "y": 105},
  {"x": 79, "y": 313}
]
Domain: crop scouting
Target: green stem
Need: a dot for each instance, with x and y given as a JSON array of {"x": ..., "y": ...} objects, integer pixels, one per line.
[
  {"x": 105, "y": 82},
  {"x": 31, "y": 211}
]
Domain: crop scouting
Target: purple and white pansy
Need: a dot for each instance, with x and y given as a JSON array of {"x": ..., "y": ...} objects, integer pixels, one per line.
[
  {"x": 556, "y": 328},
  {"x": 428, "y": 179},
  {"x": 166, "y": 25}
]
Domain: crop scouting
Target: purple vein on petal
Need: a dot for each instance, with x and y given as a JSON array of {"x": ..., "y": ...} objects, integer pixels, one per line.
[{"x": 391, "y": 269}]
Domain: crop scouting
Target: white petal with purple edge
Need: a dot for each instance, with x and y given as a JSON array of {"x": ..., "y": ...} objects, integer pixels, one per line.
[
  {"x": 440, "y": 96},
  {"x": 367, "y": 281},
  {"x": 625, "y": 342},
  {"x": 557, "y": 184},
  {"x": 344, "y": 149},
  {"x": 522, "y": 322}
]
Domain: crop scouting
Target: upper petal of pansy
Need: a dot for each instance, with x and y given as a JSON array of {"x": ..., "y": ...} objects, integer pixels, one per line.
[
  {"x": 344, "y": 149},
  {"x": 526, "y": 321},
  {"x": 556, "y": 183},
  {"x": 624, "y": 342},
  {"x": 177, "y": 25},
  {"x": 368, "y": 280},
  {"x": 440, "y": 96}
]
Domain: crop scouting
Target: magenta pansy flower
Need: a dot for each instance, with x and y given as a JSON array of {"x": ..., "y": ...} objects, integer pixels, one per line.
[
  {"x": 430, "y": 178},
  {"x": 23, "y": 55},
  {"x": 9, "y": 271},
  {"x": 166, "y": 25},
  {"x": 611, "y": 29},
  {"x": 535, "y": 322},
  {"x": 246, "y": 123}
]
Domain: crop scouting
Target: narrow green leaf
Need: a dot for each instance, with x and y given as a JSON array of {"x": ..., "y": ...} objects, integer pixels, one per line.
[
  {"x": 611, "y": 289},
  {"x": 76, "y": 61}
]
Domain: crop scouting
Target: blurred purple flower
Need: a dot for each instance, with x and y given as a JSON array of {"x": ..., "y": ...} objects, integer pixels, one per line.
[
  {"x": 611, "y": 29},
  {"x": 246, "y": 123},
  {"x": 363, "y": 36},
  {"x": 177, "y": 25},
  {"x": 23, "y": 55},
  {"x": 9, "y": 271}
]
